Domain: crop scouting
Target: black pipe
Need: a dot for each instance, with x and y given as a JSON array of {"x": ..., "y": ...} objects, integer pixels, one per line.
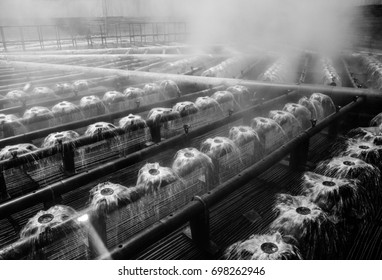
[
  {"x": 169, "y": 224},
  {"x": 69, "y": 145},
  {"x": 50, "y": 192},
  {"x": 28, "y": 137},
  {"x": 47, "y": 103}
]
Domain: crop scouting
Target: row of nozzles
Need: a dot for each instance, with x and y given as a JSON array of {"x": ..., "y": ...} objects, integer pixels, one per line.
[
  {"x": 343, "y": 192},
  {"x": 107, "y": 197},
  {"x": 373, "y": 69},
  {"x": 164, "y": 90},
  {"x": 235, "y": 94}
]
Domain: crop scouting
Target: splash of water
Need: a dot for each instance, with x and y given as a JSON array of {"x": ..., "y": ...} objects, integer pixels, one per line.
[
  {"x": 341, "y": 198},
  {"x": 242, "y": 95},
  {"x": 16, "y": 150},
  {"x": 270, "y": 132},
  {"x": 133, "y": 93},
  {"x": 115, "y": 101},
  {"x": 156, "y": 114},
  {"x": 17, "y": 96},
  {"x": 130, "y": 120},
  {"x": 44, "y": 227},
  {"x": 92, "y": 105},
  {"x": 188, "y": 159},
  {"x": 288, "y": 122},
  {"x": 40, "y": 92},
  {"x": 315, "y": 107},
  {"x": 278, "y": 72},
  {"x": 99, "y": 127},
  {"x": 262, "y": 247},
  {"x": 153, "y": 89},
  {"x": 37, "y": 112},
  {"x": 229, "y": 68},
  {"x": 373, "y": 68},
  {"x": 8, "y": 119},
  {"x": 185, "y": 108},
  {"x": 80, "y": 85},
  {"x": 107, "y": 197},
  {"x": 153, "y": 177},
  {"x": 352, "y": 168},
  {"x": 307, "y": 223},
  {"x": 372, "y": 134},
  {"x": 377, "y": 120},
  {"x": 53, "y": 139},
  {"x": 301, "y": 113},
  {"x": 206, "y": 102},
  {"x": 329, "y": 73},
  {"x": 367, "y": 151},
  {"x": 326, "y": 103},
  {"x": 63, "y": 88},
  {"x": 169, "y": 89},
  {"x": 219, "y": 147},
  {"x": 241, "y": 135}
]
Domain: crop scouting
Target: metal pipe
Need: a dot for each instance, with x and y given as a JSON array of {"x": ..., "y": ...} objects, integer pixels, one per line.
[
  {"x": 262, "y": 87},
  {"x": 69, "y": 184},
  {"x": 171, "y": 223},
  {"x": 29, "y": 136}
]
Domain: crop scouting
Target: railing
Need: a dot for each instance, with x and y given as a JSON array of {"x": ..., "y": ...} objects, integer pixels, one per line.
[{"x": 34, "y": 37}]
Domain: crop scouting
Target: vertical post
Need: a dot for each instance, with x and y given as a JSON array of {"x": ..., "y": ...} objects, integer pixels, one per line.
[
  {"x": 185, "y": 31},
  {"x": 3, "y": 38},
  {"x": 333, "y": 128},
  {"x": 299, "y": 157},
  {"x": 145, "y": 31},
  {"x": 97, "y": 235},
  {"x": 116, "y": 34},
  {"x": 200, "y": 229},
  {"x": 155, "y": 131},
  {"x": 58, "y": 37},
  {"x": 101, "y": 34},
  {"x": 40, "y": 37},
  {"x": 157, "y": 31},
  {"x": 3, "y": 187},
  {"x": 74, "y": 40},
  {"x": 153, "y": 31},
  {"x": 67, "y": 152},
  {"x": 141, "y": 32},
  {"x": 22, "y": 37},
  {"x": 130, "y": 33},
  {"x": 8, "y": 130}
]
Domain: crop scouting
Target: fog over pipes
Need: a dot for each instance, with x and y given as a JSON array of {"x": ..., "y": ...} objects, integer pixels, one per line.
[{"x": 324, "y": 25}]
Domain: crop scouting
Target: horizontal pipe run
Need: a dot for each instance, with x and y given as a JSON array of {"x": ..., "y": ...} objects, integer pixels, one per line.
[
  {"x": 161, "y": 229},
  {"x": 46, "y": 103},
  {"x": 29, "y": 136},
  {"x": 221, "y": 191},
  {"x": 372, "y": 95},
  {"x": 96, "y": 81},
  {"x": 78, "y": 143},
  {"x": 54, "y": 190}
]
